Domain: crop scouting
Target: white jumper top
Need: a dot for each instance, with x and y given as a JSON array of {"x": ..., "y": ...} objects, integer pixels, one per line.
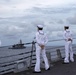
[
  {"x": 41, "y": 38},
  {"x": 67, "y": 34}
]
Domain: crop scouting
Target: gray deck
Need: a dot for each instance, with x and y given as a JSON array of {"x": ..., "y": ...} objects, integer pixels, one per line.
[{"x": 58, "y": 69}]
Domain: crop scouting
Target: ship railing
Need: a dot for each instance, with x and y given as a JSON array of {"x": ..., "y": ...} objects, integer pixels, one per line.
[{"x": 26, "y": 60}]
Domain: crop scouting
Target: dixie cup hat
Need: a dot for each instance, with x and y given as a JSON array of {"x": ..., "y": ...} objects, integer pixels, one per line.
[{"x": 40, "y": 26}]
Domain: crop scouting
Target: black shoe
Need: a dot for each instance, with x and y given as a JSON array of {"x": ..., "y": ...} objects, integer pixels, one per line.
[
  {"x": 36, "y": 72},
  {"x": 48, "y": 69}
]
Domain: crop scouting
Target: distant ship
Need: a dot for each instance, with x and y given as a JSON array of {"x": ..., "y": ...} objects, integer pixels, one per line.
[{"x": 20, "y": 45}]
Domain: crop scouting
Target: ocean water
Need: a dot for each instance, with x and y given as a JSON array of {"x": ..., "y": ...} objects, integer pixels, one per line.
[{"x": 59, "y": 43}]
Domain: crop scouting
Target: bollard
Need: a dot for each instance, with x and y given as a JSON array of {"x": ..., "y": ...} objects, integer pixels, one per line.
[
  {"x": 59, "y": 54},
  {"x": 48, "y": 54}
]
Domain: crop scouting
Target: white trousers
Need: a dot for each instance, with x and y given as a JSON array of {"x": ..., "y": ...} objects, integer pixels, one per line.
[
  {"x": 68, "y": 51},
  {"x": 38, "y": 52}
]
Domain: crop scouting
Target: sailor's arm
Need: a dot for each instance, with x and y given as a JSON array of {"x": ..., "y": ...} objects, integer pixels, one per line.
[
  {"x": 39, "y": 42},
  {"x": 37, "y": 39},
  {"x": 64, "y": 36}
]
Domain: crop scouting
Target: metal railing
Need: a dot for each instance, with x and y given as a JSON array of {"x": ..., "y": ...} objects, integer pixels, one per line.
[
  {"x": 12, "y": 62},
  {"x": 5, "y": 66}
]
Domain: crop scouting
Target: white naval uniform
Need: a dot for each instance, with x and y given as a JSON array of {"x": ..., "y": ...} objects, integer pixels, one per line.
[
  {"x": 40, "y": 39},
  {"x": 68, "y": 46}
]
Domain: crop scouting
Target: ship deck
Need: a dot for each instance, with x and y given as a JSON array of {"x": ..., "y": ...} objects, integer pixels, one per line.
[{"x": 58, "y": 68}]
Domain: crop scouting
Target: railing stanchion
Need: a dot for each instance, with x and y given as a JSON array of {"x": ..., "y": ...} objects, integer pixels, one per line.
[{"x": 33, "y": 45}]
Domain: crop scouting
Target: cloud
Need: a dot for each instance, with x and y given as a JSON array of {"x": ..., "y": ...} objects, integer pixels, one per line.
[
  {"x": 18, "y": 22},
  {"x": 10, "y": 8},
  {"x": 53, "y": 10},
  {"x": 60, "y": 22},
  {"x": 57, "y": 33},
  {"x": 27, "y": 23},
  {"x": 72, "y": 20}
]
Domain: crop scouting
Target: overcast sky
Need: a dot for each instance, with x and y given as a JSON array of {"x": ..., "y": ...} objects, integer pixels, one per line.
[{"x": 18, "y": 19}]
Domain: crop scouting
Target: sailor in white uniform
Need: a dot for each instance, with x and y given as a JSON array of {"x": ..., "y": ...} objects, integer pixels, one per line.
[
  {"x": 41, "y": 40},
  {"x": 68, "y": 45}
]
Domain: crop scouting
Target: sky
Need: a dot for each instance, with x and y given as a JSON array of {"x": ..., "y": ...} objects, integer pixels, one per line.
[{"x": 19, "y": 18}]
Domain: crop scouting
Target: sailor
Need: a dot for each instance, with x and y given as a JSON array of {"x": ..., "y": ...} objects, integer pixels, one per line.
[
  {"x": 68, "y": 45},
  {"x": 41, "y": 41}
]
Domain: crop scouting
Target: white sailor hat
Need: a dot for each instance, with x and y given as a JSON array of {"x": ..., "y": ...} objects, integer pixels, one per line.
[{"x": 40, "y": 26}]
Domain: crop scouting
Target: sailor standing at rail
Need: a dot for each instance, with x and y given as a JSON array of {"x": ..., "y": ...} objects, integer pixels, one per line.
[
  {"x": 41, "y": 40},
  {"x": 68, "y": 45}
]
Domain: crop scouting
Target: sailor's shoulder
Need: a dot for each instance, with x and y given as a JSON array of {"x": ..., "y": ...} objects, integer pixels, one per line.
[
  {"x": 37, "y": 33},
  {"x": 64, "y": 32}
]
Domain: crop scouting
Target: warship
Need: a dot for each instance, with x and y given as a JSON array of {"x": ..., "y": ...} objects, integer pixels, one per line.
[{"x": 20, "y": 45}]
